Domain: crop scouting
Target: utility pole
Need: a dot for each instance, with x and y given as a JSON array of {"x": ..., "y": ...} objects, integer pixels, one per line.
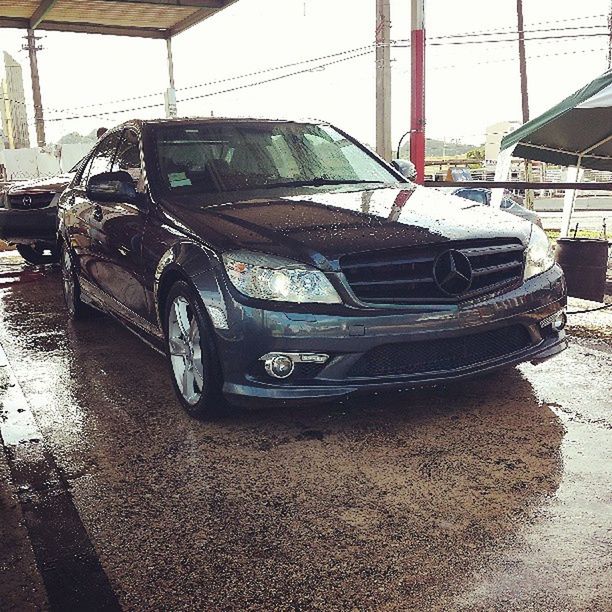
[
  {"x": 32, "y": 47},
  {"x": 524, "y": 92},
  {"x": 383, "y": 79},
  {"x": 417, "y": 110},
  {"x": 522, "y": 60}
]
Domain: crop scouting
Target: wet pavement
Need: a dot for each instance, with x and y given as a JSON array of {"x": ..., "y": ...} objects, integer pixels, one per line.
[{"x": 487, "y": 495}]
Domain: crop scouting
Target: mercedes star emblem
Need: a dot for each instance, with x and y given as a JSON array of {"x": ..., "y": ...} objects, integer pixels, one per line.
[
  {"x": 27, "y": 201},
  {"x": 452, "y": 272}
]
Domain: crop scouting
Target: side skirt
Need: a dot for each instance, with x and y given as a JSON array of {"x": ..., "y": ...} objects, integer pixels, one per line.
[{"x": 148, "y": 333}]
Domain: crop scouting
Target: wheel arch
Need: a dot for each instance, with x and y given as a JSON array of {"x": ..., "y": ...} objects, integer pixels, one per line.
[{"x": 197, "y": 266}]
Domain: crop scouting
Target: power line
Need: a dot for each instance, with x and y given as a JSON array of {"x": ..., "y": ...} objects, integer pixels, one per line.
[
  {"x": 311, "y": 60},
  {"x": 223, "y": 80},
  {"x": 277, "y": 78},
  {"x": 508, "y": 32},
  {"x": 197, "y": 97},
  {"x": 448, "y": 39},
  {"x": 513, "y": 59},
  {"x": 545, "y": 22},
  {"x": 504, "y": 40}
]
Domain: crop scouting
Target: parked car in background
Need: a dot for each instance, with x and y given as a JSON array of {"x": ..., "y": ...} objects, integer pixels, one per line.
[
  {"x": 508, "y": 204},
  {"x": 28, "y": 216},
  {"x": 280, "y": 261}
]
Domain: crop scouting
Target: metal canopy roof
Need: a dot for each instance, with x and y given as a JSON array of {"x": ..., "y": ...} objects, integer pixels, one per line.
[
  {"x": 577, "y": 131},
  {"x": 144, "y": 18}
]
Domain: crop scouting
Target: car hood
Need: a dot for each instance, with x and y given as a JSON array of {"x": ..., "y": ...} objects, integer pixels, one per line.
[
  {"x": 52, "y": 184},
  {"x": 324, "y": 226}
]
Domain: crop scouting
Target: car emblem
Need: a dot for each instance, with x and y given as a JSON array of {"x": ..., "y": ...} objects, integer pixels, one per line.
[
  {"x": 27, "y": 201},
  {"x": 452, "y": 272}
]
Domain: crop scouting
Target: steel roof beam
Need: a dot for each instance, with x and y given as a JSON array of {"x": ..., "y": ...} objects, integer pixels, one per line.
[
  {"x": 198, "y": 16},
  {"x": 94, "y": 28},
  {"x": 87, "y": 28},
  {"x": 39, "y": 14},
  {"x": 207, "y": 4},
  {"x": 14, "y": 22}
]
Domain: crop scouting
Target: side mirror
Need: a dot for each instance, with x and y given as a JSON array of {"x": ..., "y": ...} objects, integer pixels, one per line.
[
  {"x": 112, "y": 187},
  {"x": 405, "y": 167}
]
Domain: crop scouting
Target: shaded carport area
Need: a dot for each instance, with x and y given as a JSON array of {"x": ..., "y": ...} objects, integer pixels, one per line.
[{"x": 157, "y": 19}]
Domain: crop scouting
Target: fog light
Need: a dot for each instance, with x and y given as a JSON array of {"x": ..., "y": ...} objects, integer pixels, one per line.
[
  {"x": 559, "y": 321},
  {"x": 279, "y": 366}
]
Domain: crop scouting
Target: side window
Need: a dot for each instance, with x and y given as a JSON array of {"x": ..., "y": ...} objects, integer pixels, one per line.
[
  {"x": 103, "y": 157},
  {"x": 85, "y": 172},
  {"x": 128, "y": 155}
]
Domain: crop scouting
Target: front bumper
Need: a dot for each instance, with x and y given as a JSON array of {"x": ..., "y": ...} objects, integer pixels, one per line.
[
  {"x": 38, "y": 226},
  {"x": 347, "y": 338}
]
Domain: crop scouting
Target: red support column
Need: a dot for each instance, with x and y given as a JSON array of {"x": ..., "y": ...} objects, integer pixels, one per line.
[{"x": 417, "y": 115}]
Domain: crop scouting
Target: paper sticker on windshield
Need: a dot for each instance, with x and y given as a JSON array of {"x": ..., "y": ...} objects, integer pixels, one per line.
[{"x": 178, "y": 179}]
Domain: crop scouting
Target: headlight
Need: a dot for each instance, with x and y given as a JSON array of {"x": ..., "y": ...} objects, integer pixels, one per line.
[
  {"x": 539, "y": 256},
  {"x": 267, "y": 277}
]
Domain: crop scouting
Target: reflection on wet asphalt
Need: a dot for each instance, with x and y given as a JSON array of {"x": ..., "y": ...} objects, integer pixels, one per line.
[{"x": 486, "y": 495}]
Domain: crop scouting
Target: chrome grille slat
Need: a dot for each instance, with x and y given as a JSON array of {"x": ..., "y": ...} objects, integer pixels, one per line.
[
  {"x": 382, "y": 264},
  {"x": 405, "y": 275},
  {"x": 504, "y": 248},
  {"x": 499, "y": 268},
  {"x": 399, "y": 281}
]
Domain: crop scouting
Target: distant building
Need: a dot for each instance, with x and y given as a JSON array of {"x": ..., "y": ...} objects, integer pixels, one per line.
[
  {"x": 12, "y": 105},
  {"x": 495, "y": 133}
]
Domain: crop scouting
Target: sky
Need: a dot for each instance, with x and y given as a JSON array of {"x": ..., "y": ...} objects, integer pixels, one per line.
[{"x": 469, "y": 86}]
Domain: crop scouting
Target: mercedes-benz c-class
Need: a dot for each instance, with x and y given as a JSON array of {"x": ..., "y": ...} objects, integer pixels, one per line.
[{"x": 280, "y": 261}]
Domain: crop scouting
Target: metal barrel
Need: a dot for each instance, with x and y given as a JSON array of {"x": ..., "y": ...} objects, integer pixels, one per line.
[{"x": 584, "y": 262}]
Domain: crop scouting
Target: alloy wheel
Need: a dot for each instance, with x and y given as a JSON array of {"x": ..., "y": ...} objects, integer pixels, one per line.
[
  {"x": 185, "y": 349},
  {"x": 68, "y": 279}
]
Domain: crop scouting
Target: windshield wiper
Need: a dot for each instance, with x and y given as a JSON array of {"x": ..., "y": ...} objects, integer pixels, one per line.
[{"x": 319, "y": 182}]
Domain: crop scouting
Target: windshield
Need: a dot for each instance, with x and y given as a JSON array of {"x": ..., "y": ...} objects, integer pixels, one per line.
[{"x": 228, "y": 157}]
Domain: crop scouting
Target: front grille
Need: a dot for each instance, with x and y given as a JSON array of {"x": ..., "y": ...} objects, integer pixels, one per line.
[
  {"x": 405, "y": 275},
  {"x": 429, "y": 356},
  {"x": 30, "y": 201}
]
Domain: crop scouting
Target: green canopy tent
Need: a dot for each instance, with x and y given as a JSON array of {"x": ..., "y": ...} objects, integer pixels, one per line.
[{"x": 576, "y": 132}]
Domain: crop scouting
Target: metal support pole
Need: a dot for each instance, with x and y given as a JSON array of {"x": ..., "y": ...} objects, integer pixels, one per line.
[
  {"x": 417, "y": 114},
  {"x": 573, "y": 176},
  {"x": 170, "y": 97},
  {"x": 383, "y": 79},
  {"x": 39, "y": 120},
  {"x": 170, "y": 62}
]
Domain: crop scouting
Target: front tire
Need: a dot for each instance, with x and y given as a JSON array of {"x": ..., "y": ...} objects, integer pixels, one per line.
[
  {"x": 38, "y": 254},
  {"x": 72, "y": 289},
  {"x": 194, "y": 367}
]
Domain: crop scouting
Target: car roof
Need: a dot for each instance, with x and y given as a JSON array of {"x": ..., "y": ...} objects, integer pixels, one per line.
[{"x": 200, "y": 120}]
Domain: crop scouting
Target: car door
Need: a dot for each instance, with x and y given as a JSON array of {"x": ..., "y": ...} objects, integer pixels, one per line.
[
  {"x": 83, "y": 226},
  {"x": 119, "y": 228}
]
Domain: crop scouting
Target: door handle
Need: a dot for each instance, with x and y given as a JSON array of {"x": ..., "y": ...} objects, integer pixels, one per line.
[{"x": 97, "y": 213}]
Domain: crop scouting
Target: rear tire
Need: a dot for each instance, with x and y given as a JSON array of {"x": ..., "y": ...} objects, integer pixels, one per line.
[
  {"x": 38, "y": 254},
  {"x": 190, "y": 350},
  {"x": 72, "y": 289}
]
